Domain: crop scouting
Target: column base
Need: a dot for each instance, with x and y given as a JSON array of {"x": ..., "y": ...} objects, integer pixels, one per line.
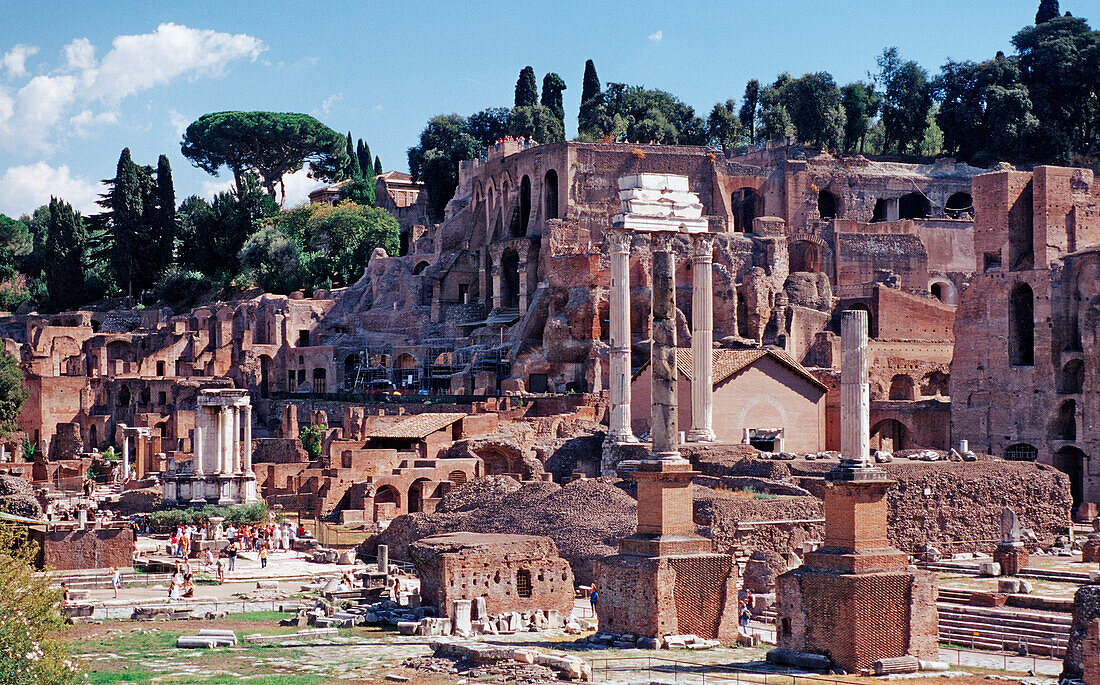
[
  {"x": 622, "y": 438},
  {"x": 701, "y": 435},
  {"x": 668, "y": 457}
]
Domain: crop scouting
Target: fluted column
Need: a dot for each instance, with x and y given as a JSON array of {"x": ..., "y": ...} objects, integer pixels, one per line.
[
  {"x": 664, "y": 421},
  {"x": 125, "y": 457},
  {"x": 196, "y": 447},
  {"x": 225, "y": 425},
  {"x": 702, "y": 336},
  {"x": 855, "y": 391},
  {"x": 235, "y": 443},
  {"x": 619, "y": 430},
  {"x": 248, "y": 439}
]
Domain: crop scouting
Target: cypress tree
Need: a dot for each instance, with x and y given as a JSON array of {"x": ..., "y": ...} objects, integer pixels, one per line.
[
  {"x": 749, "y": 106},
  {"x": 354, "y": 170},
  {"x": 1048, "y": 9},
  {"x": 552, "y": 86},
  {"x": 590, "y": 100},
  {"x": 165, "y": 217},
  {"x": 126, "y": 204},
  {"x": 64, "y": 256},
  {"x": 362, "y": 151},
  {"x": 527, "y": 88},
  {"x": 377, "y": 166}
]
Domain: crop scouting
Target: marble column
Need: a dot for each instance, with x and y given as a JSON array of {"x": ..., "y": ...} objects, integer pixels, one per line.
[
  {"x": 125, "y": 457},
  {"x": 248, "y": 439},
  {"x": 702, "y": 336},
  {"x": 225, "y": 425},
  {"x": 196, "y": 449},
  {"x": 664, "y": 422},
  {"x": 619, "y": 430},
  {"x": 235, "y": 443},
  {"x": 855, "y": 390}
]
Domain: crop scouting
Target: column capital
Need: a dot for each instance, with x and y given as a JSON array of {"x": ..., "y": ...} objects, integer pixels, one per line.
[
  {"x": 497, "y": 251},
  {"x": 618, "y": 240},
  {"x": 662, "y": 241},
  {"x": 702, "y": 247}
]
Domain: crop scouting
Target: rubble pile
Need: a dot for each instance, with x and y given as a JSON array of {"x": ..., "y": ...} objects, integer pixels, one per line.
[
  {"x": 17, "y": 497},
  {"x": 585, "y": 518}
]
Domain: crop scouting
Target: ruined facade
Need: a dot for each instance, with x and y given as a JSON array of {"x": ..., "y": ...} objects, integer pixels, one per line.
[{"x": 1027, "y": 326}]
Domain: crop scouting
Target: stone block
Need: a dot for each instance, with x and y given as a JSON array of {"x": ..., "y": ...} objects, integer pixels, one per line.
[
  {"x": 989, "y": 569},
  {"x": 407, "y": 627},
  {"x": 524, "y": 656},
  {"x": 461, "y": 616},
  {"x": 898, "y": 664},
  {"x": 1008, "y": 585}
]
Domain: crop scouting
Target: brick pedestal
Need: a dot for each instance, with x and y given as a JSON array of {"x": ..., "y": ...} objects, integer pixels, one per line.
[
  {"x": 1090, "y": 550},
  {"x": 1012, "y": 558}
]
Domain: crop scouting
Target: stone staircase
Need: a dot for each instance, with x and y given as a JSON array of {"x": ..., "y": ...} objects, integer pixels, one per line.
[
  {"x": 100, "y": 579},
  {"x": 1042, "y": 633}
]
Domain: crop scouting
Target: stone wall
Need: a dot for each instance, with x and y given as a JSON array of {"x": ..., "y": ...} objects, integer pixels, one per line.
[{"x": 71, "y": 550}]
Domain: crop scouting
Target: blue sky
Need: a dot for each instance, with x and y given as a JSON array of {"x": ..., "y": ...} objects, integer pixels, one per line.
[{"x": 80, "y": 81}]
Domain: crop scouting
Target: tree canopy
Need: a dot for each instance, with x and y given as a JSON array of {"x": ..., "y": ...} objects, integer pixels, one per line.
[
  {"x": 552, "y": 87},
  {"x": 268, "y": 144},
  {"x": 527, "y": 88},
  {"x": 12, "y": 392},
  {"x": 444, "y": 142},
  {"x": 906, "y": 101}
]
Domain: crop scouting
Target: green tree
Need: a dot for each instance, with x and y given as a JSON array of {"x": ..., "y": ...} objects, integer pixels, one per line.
[
  {"x": 352, "y": 170},
  {"x": 443, "y": 143},
  {"x": 723, "y": 127},
  {"x": 129, "y": 222},
  {"x": 860, "y": 102},
  {"x": 213, "y": 234},
  {"x": 527, "y": 88},
  {"x": 775, "y": 122},
  {"x": 536, "y": 122},
  {"x": 267, "y": 144},
  {"x": 165, "y": 219},
  {"x": 813, "y": 103},
  {"x": 590, "y": 102},
  {"x": 1060, "y": 67},
  {"x": 489, "y": 125},
  {"x": 30, "y": 618},
  {"x": 749, "y": 106},
  {"x": 971, "y": 131},
  {"x": 360, "y": 190},
  {"x": 552, "y": 87},
  {"x": 15, "y": 241},
  {"x": 1009, "y": 122},
  {"x": 907, "y": 99},
  {"x": 649, "y": 116},
  {"x": 273, "y": 260},
  {"x": 64, "y": 258},
  {"x": 336, "y": 242},
  {"x": 1048, "y": 9},
  {"x": 377, "y": 166},
  {"x": 12, "y": 393},
  {"x": 362, "y": 154}
]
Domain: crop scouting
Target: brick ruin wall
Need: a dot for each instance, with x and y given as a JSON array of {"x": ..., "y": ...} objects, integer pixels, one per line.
[{"x": 69, "y": 550}]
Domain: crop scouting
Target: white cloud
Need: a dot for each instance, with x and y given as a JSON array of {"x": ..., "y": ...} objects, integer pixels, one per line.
[
  {"x": 23, "y": 188},
  {"x": 298, "y": 186},
  {"x": 656, "y": 37},
  {"x": 327, "y": 105},
  {"x": 81, "y": 92},
  {"x": 178, "y": 122},
  {"x": 209, "y": 189},
  {"x": 15, "y": 60}
]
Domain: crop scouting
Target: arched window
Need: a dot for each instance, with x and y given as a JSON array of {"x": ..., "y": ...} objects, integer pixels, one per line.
[
  {"x": 914, "y": 206},
  {"x": 1064, "y": 424},
  {"x": 805, "y": 256},
  {"x": 387, "y": 494},
  {"x": 902, "y": 388},
  {"x": 524, "y": 206},
  {"x": 941, "y": 288},
  {"x": 550, "y": 190},
  {"x": 1073, "y": 377},
  {"x": 745, "y": 205},
  {"x": 1021, "y": 326},
  {"x": 419, "y": 268},
  {"x": 1021, "y": 451},
  {"x": 959, "y": 206},
  {"x": 827, "y": 205}
]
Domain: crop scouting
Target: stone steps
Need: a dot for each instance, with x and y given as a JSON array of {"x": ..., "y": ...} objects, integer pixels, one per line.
[{"x": 1043, "y": 633}]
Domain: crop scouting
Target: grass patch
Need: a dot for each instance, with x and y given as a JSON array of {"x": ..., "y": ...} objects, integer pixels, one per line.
[
  {"x": 261, "y": 616},
  {"x": 247, "y": 680},
  {"x": 118, "y": 677}
]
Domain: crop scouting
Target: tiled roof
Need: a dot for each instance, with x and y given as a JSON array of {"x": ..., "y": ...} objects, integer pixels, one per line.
[
  {"x": 416, "y": 427},
  {"x": 728, "y": 362}
]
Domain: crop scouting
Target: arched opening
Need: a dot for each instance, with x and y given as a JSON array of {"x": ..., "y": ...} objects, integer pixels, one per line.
[
  {"x": 872, "y": 332},
  {"x": 745, "y": 205},
  {"x": 880, "y": 211},
  {"x": 265, "y": 375},
  {"x": 914, "y": 206},
  {"x": 387, "y": 494},
  {"x": 1073, "y": 377},
  {"x": 457, "y": 477},
  {"x": 935, "y": 383},
  {"x": 902, "y": 387},
  {"x": 1071, "y": 461},
  {"x": 827, "y": 205},
  {"x": 1021, "y": 333},
  {"x": 1064, "y": 424},
  {"x": 419, "y": 268},
  {"x": 124, "y": 397},
  {"x": 805, "y": 256},
  {"x": 943, "y": 290},
  {"x": 523, "y": 583},
  {"x": 1021, "y": 451},
  {"x": 498, "y": 463},
  {"x": 959, "y": 206},
  {"x": 1021, "y": 232},
  {"x": 416, "y": 495},
  {"x": 320, "y": 380},
  {"x": 509, "y": 271},
  {"x": 937, "y": 291},
  {"x": 405, "y": 361},
  {"x": 890, "y": 435},
  {"x": 93, "y": 438},
  {"x": 524, "y": 206},
  {"x": 550, "y": 190}
]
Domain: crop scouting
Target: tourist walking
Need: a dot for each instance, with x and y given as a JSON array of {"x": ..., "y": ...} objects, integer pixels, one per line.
[
  {"x": 231, "y": 554},
  {"x": 263, "y": 557},
  {"x": 593, "y": 598},
  {"x": 221, "y": 573},
  {"x": 116, "y": 580}
]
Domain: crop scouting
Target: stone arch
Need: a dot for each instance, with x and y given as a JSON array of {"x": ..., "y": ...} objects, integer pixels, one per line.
[
  {"x": 524, "y": 206},
  {"x": 745, "y": 206},
  {"x": 1021, "y": 451},
  {"x": 935, "y": 383},
  {"x": 1072, "y": 381},
  {"x": 457, "y": 477},
  {"x": 420, "y": 266},
  {"x": 805, "y": 256},
  {"x": 498, "y": 460},
  {"x": 405, "y": 361},
  {"x": 943, "y": 289},
  {"x": 417, "y": 495},
  {"x": 1072, "y": 461},
  {"x": 889, "y": 435},
  {"x": 960, "y": 205},
  {"x": 1021, "y": 326},
  {"x": 550, "y": 194},
  {"x": 902, "y": 387},
  {"x": 914, "y": 206},
  {"x": 93, "y": 437},
  {"x": 387, "y": 494},
  {"x": 828, "y": 206},
  {"x": 1063, "y": 425},
  {"x": 120, "y": 350}
]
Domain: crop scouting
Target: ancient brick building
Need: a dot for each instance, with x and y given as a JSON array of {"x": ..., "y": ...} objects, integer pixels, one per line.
[{"x": 1027, "y": 326}]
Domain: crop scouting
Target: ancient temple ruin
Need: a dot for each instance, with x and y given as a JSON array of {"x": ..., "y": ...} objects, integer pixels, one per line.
[{"x": 220, "y": 470}]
